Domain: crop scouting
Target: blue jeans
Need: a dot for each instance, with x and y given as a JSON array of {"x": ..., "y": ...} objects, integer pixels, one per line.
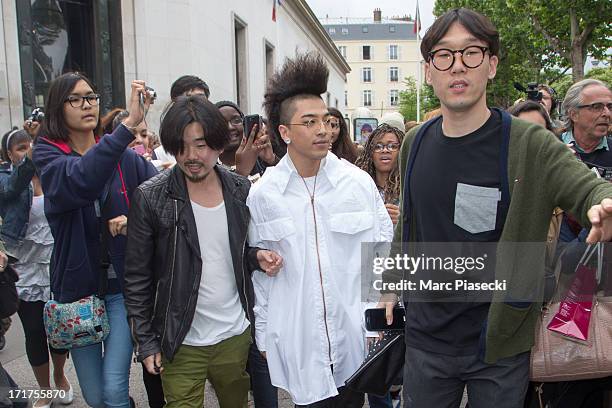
[
  {"x": 376, "y": 401},
  {"x": 104, "y": 375}
]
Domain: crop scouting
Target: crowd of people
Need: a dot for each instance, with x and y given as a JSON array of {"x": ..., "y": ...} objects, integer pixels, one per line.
[{"x": 228, "y": 249}]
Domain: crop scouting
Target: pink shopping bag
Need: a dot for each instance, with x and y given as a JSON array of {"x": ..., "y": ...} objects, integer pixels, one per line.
[{"x": 574, "y": 313}]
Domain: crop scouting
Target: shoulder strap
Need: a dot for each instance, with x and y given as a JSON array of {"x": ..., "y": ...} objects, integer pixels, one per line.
[
  {"x": 409, "y": 166},
  {"x": 503, "y": 162},
  {"x": 104, "y": 237}
]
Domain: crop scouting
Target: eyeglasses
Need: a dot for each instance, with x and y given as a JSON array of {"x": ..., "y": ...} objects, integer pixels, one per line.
[
  {"x": 78, "y": 101},
  {"x": 236, "y": 120},
  {"x": 472, "y": 57},
  {"x": 391, "y": 147},
  {"x": 316, "y": 124},
  {"x": 597, "y": 107}
]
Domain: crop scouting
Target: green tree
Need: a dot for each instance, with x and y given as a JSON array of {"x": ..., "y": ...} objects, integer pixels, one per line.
[
  {"x": 573, "y": 29},
  {"x": 429, "y": 100},
  {"x": 408, "y": 99},
  {"x": 603, "y": 74},
  {"x": 564, "y": 82},
  {"x": 562, "y": 85}
]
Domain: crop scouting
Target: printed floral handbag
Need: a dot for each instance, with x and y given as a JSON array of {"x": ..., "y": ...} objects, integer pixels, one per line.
[
  {"x": 76, "y": 324},
  {"x": 83, "y": 322}
]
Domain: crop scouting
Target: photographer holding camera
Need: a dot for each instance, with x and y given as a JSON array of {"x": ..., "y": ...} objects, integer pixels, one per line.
[
  {"x": 88, "y": 182},
  {"x": 542, "y": 94},
  {"x": 32, "y": 123}
]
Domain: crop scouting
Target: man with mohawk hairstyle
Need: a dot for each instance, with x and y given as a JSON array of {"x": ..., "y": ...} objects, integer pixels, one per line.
[{"x": 314, "y": 210}]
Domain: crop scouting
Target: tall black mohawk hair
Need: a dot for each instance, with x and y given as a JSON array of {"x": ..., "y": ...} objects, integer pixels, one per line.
[{"x": 306, "y": 74}]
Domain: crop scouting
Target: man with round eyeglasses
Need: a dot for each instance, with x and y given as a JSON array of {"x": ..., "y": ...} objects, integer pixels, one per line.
[{"x": 475, "y": 175}]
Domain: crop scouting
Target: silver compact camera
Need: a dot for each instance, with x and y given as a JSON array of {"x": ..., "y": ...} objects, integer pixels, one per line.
[{"x": 150, "y": 93}]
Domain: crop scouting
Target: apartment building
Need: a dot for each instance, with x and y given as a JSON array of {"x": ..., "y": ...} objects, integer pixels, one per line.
[{"x": 381, "y": 53}]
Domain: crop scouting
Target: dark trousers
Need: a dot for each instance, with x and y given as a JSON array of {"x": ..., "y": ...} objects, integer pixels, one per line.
[
  {"x": 346, "y": 398},
  {"x": 155, "y": 391},
  {"x": 31, "y": 316},
  {"x": 265, "y": 395},
  {"x": 436, "y": 380}
]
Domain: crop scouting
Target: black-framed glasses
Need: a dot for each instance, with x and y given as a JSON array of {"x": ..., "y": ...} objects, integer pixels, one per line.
[
  {"x": 316, "y": 124},
  {"x": 78, "y": 101},
  {"x": 472, "y": 57},
  {"x": 391, "y": 147},
  {"x": 597, "y": 107}
]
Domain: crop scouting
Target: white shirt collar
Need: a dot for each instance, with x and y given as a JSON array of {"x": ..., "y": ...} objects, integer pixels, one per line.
[{"x": 330, "y": 168}]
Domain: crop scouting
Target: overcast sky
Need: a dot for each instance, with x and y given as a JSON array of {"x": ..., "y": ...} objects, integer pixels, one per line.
[{"x": 365, "y": 8}]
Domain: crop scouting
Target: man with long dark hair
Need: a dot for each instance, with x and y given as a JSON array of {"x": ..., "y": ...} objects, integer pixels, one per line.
[{"x": 188, "y": 291}]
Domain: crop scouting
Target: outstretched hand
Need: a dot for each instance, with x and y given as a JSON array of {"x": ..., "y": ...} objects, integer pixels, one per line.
[{"x": 600, "y": 216}]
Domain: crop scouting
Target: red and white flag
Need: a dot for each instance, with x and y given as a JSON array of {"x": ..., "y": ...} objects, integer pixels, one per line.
[
  {"x": 274, "y": 9},
  {"x": 417, "y": 19}
]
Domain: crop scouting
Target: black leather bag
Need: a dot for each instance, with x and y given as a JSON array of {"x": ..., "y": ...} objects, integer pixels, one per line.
[
  {"x": 9, "y": 301},
  {"x": 381, "y": 367}
]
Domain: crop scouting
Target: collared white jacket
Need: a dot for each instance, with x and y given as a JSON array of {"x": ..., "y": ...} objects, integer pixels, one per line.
[{"x": 309, "y": 317}]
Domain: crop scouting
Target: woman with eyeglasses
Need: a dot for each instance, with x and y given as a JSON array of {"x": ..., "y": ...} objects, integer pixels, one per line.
[
  {"x": 341, "y": 143},
  {"x": 379, "y": 160},
  {"x": 87, "y": 183}
]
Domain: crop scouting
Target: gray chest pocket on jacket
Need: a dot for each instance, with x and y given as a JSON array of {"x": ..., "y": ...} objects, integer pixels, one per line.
[{"x": 476, "y": 207}]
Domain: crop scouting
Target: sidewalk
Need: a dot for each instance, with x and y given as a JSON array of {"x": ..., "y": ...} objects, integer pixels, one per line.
[{"x": 15, "y": 361}]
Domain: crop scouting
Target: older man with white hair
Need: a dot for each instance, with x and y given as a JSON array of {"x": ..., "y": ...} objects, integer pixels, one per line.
[{"x": 588, "y": 107}]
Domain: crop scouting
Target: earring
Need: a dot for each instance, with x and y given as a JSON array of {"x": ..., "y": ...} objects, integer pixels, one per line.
[{"x": 287, "y": 141}]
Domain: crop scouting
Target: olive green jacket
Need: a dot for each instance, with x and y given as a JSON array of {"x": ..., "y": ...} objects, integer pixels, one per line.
[{"x": 542, "y": 174}]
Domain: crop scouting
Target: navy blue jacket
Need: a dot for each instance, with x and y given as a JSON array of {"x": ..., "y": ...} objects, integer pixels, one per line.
[
  {"x": 15, "y": 201},
  {"x": 74, "y": 186}
]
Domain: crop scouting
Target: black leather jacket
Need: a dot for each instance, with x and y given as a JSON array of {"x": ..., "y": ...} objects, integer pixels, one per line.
[{"x": 163, "y": 263}]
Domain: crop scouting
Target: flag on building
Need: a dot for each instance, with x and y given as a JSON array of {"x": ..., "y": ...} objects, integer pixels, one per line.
[
  {"x": 417, "y": 19},
  {"x": 274, "y": 8}
]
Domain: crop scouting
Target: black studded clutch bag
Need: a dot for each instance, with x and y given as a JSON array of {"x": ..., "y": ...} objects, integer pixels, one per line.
[{"x": 382, "y": 365}]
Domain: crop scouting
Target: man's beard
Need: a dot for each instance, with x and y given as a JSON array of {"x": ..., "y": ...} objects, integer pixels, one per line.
[{"x": 196, "y": 178}]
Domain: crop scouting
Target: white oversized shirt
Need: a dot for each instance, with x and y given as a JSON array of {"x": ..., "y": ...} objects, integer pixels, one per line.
[{"x": 307, "y": 320}]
